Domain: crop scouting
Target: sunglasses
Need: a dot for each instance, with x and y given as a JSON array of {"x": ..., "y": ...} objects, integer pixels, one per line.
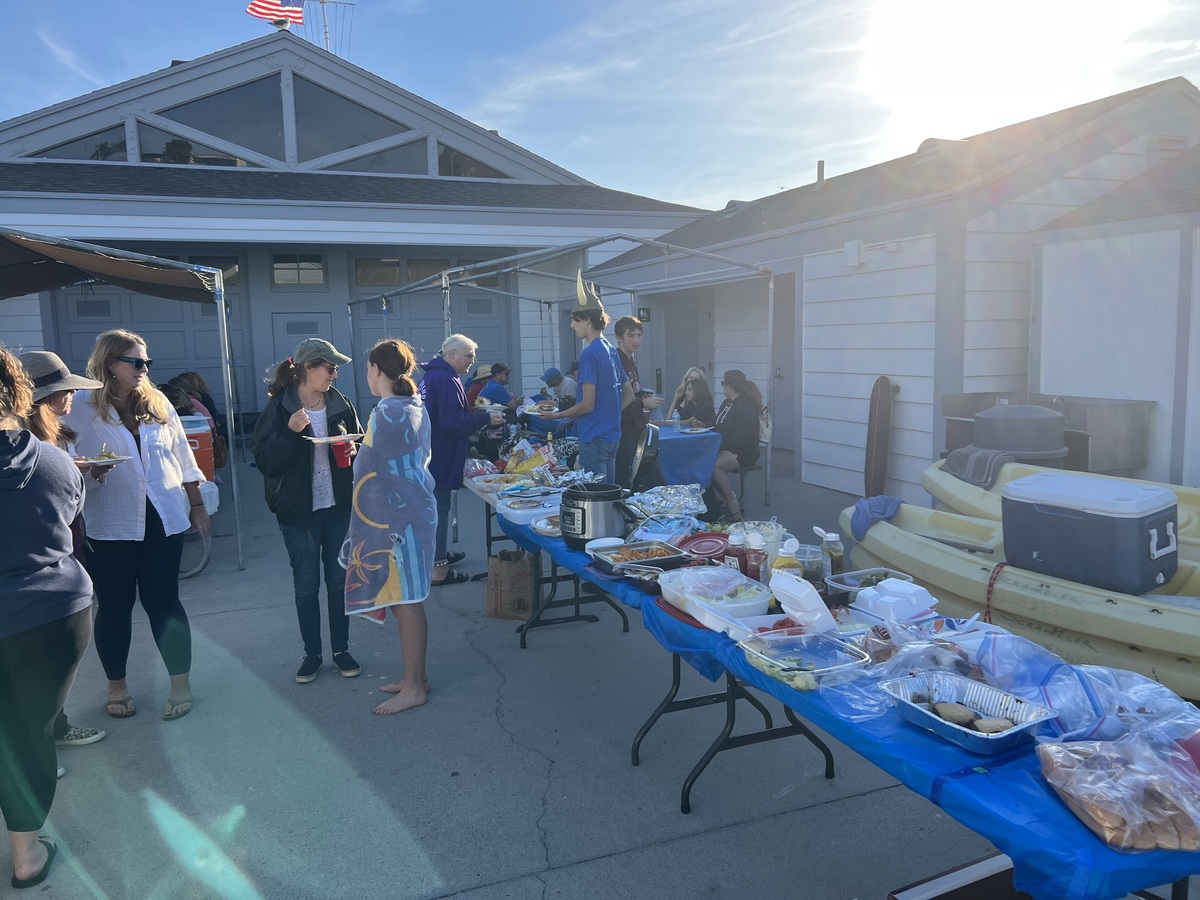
[{"x": 136, "y": 362}]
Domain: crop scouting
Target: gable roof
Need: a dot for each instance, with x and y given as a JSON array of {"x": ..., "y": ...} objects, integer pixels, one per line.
[
  {"x": 937, "y": 167},
  {"x": 145, "y": 97},
  {"x": 204, "y": 182},
  {"x": 1170, "y": 188}
]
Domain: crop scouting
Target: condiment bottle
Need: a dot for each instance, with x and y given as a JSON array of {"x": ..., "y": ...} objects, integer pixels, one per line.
[
  {"x": 735, "y": 553},
  {"x": 786, "y": 558},
  {"x": 756, "y": 557},
  {"x": 833, "y": 562}
]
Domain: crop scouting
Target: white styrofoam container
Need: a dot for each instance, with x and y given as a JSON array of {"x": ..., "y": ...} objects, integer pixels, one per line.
[
  {"x": 894, "y": 599},
  {"x": 801, "y": 601}
]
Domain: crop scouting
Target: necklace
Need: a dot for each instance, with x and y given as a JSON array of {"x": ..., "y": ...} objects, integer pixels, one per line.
[{"x": 320, "y": 403}]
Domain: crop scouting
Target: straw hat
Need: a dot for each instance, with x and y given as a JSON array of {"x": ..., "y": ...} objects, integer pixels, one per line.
[
  {"x": 483, "y": 371},
  {"x": 50, "y": 374},
  {"x": 587, "y": 294}
]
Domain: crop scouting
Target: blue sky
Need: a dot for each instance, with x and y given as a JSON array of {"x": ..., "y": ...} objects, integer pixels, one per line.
[{"x": 694, "y": 101}]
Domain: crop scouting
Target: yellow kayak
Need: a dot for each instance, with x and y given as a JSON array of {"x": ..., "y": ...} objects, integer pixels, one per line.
[{"x": 1157, "y": 635}]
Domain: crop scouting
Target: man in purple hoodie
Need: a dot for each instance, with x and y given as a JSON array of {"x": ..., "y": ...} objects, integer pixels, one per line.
[{"x": 451, "y": 422}]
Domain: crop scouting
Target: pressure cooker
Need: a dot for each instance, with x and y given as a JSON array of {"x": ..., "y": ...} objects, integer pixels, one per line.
[{"x": 591, "y": 511}]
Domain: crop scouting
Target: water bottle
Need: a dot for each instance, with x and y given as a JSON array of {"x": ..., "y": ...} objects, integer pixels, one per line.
[{"x": 675, "y": 419}]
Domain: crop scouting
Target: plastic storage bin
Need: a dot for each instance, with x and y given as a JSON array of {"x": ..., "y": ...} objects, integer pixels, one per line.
[{"x": 1116, "y": 535}]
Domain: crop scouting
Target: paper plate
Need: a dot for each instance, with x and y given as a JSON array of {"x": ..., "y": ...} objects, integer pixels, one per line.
[
  {"x": 547, "y": 528},
  {"x": 695, "y": 430},
  {"x": 106, "y": 460},
  {"x": 333, "y": 438}
]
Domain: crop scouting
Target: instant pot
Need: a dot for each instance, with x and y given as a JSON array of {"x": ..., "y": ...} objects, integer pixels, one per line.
[{"x": 590, "y": 511}]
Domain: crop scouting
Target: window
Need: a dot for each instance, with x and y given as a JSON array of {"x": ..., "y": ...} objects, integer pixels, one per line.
[
  {"x": 103, "y": 145},
  {"x": 479, "y": 306},
  {"x": 407, "y": 159},
  {"x": 297, "y": 268},
  {"x": 451, "y": 162},
  {"x": 93, "y": 309},
  {"x": 377, "y": 272},
  {"x": 250, "y": 115},
  {"x": 419, "y": 269},
  {"x": 327, "y": 122},
  {"x": 158, "y": 146}
]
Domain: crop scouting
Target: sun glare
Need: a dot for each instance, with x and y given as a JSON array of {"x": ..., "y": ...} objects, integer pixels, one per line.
[{"x": 953, "y": 68}]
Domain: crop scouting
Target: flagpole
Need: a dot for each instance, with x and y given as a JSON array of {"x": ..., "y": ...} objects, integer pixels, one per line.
[{"x": 325, "y": 22}]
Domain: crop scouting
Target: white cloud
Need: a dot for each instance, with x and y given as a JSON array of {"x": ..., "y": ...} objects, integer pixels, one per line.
[{"x": 70, "y": 60}]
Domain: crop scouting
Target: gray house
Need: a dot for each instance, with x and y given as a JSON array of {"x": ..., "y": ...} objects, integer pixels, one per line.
[
  {"x": 918, "y": 268},
  {"x": 312, "y": 182},
  {"x": 1117, "y": 306}
]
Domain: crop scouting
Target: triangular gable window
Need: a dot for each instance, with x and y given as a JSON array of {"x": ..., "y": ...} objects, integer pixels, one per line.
[
  {"x": 328, "y": 123},
  {"x": 103, "y": 145},
  {"x": 158, "y": 146},
  {"x": 249, "y": 115},
  {"x": 407, "y": 159},
  {"x": 452, "y": 162}
]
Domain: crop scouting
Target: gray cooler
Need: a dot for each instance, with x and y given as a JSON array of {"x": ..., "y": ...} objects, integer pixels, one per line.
[{"x": 1116, "y": 535}]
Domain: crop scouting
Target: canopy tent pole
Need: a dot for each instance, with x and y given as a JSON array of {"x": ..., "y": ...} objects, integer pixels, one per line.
[
  {"x": 445, "y": 276},
  {"x": 227, "y": 370},
  {"x": 770, "y": 401}
]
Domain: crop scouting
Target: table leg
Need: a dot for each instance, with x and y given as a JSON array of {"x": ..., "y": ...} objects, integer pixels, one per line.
[
  {"x": 1179, "y": 891},
  {"x": 735, "y": 691},
  {"x": 536, "y": 620}
]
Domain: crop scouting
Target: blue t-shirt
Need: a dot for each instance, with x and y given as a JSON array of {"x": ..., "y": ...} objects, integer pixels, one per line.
[
  {"x": 497, "y": 393},
  {"x": 600, "y": 365}
]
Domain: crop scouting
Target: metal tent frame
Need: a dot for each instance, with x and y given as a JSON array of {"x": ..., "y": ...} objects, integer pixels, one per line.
[
  {"x": 523, "y": 263},
  {"x": 30, "y": 263}
]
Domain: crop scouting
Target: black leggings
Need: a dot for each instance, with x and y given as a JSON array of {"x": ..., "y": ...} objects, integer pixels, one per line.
[
  {"x": 36, "y": 670},
  {"x": 147, "y": 570}
]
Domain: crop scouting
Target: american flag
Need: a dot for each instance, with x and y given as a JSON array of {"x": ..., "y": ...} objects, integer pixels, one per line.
[{"x": 274, "y": 10}]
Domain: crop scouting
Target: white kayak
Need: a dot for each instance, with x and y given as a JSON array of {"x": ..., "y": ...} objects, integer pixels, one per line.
[{"x": 1157, "y": 634}]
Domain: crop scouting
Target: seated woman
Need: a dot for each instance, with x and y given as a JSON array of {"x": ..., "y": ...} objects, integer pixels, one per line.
[
  {"x": 697, "y": 408},
  {"x": 737, "y": 423}
]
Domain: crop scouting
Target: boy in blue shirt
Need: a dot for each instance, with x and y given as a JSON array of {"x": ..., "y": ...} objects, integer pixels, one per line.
[{"x": 603, "y": 388}]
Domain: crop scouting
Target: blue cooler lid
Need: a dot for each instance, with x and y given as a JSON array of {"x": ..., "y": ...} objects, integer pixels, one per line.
[{"x": 1091, "y": 493}]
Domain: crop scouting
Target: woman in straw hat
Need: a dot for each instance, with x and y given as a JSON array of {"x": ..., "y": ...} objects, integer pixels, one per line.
[
  {"x": 136, "y": 515},
  {"x": 45, "y": 620},
  {"x": 54, "y": 390}
]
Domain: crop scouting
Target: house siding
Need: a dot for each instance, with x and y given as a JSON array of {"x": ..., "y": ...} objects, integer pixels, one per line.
[
  {"x": 21, "y": 323},
  {"x": 859, "y": 323},
  {"x": 998, "y": 273}
]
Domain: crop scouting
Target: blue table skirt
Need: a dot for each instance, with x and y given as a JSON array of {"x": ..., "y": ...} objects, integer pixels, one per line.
[
  {"x": 1003, "y": 798},
  {"x": 687, "y": 458}
]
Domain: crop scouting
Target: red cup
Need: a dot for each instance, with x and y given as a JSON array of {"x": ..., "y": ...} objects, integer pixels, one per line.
[{"x": 341, "y": 453}]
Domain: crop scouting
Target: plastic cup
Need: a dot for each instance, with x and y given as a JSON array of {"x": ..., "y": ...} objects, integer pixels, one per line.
[{"x": 341, "y": 453}]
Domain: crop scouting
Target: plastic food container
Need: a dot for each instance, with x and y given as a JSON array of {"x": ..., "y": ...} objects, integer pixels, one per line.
[
  {"x": 726, "y": 589},
  {"x": 914, "y": 691},
  {"x": 526, "y": 510},
  {"x": 851, "y": 582},
  {"x": 801, "y": 658},
  {"x": 895, "y": 599}
]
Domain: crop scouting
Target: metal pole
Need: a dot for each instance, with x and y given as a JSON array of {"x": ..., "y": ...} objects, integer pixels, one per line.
[
  {"x": 770, "y": 377},
  {"x": 325, "y": 22},
  {"x": 227, "y": 369},
  {"x": 446, "y": 300}
]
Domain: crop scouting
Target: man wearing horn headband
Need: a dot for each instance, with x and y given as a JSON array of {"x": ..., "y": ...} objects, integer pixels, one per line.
[{"x": 603, "y": 388}]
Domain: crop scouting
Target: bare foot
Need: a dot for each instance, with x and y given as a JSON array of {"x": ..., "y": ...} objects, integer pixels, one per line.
[
  {"x": 395, "y": 687},
  {"x": 399, "y": 703}
]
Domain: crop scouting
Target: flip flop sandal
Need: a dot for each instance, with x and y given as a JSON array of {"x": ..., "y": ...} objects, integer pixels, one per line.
[
  {"x": 453, "y": 577},
  {"x": 38, "y": 878},
  {"x": 455, "y": 556},
  {"x": 176, "y": 710},
  {"x": 120, "y": 709}
]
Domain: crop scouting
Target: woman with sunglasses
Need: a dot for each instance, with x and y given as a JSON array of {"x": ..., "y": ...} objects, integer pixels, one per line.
[
  {"x": 308, "y": 492},
  {"x": 136, "y": 514}
]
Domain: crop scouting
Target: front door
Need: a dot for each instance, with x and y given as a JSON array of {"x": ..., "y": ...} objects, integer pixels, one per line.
[{"x": 678, "y": 336}]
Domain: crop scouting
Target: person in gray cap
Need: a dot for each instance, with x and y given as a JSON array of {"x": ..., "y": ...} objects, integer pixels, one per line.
[
  {"x": 308, "y": 493},
  {"x": 54, "y": 388}
]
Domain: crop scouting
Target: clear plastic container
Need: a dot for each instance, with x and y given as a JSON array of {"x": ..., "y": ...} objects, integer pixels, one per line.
[
  {"x": 800, "y": 658},
  {"x": 852, "y": 582},
  {"x": 727, "y": 590}
]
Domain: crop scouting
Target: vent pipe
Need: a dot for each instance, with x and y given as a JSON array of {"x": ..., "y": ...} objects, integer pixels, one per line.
[{"x": 820, "y": 172}]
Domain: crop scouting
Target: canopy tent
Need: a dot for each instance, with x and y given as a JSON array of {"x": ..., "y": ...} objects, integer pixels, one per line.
[
  {"x": 731, "y": 270},
  {"x": 33, "y": 262}
]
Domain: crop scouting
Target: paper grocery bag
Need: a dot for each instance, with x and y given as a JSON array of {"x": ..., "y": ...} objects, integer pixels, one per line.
[{"x": 512, "y": 584}]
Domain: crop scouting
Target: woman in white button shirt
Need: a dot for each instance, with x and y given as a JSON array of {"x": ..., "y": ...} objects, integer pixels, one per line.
[{"x": 136, "y": 514}]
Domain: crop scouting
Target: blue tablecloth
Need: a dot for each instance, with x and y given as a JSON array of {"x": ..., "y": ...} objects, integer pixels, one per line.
[
  {"x": 687, "y": 458},
  {"x": 542, "y": 427},
  {"x": 1003, "y": 798}
]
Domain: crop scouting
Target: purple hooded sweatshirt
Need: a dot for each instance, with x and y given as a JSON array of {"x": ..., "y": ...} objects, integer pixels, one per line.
[{"x": 451, "y": 422}]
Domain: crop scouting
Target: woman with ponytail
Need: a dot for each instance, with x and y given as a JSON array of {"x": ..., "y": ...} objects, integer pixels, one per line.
[{"x": 389, "y": 550}]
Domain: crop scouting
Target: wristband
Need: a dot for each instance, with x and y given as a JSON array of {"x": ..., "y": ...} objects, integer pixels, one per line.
[{"x": 194, "y": 505}]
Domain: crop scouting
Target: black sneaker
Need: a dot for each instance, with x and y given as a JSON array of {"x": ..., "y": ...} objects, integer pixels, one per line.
[
  {"x": 308, "y": 669},
  {"x": 347, "y": 664}
]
